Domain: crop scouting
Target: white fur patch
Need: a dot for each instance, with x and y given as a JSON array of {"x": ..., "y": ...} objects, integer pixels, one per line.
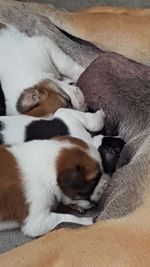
[{"x": 25, "y": 61}]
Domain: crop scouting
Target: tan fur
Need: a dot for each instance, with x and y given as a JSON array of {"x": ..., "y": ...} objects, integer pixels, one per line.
[
  {"x": 125, "y": 31},
  {"x": 124, "y": 243},
  {"x": 12, "y": 202}
]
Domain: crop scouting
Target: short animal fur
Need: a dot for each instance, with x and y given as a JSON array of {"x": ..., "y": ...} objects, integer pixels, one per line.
[
  {"x": 36, "y": 76},
  {"x": 37, "y": 175}
]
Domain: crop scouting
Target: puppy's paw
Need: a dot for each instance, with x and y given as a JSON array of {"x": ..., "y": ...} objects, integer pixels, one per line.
[
  {"x": 97, "y": 140},
  {"x": 100, "y": 117},
  {"x": 77, "y": 98},
  {"x": 78, "y": 209},
  {"x": 96, "y": 120},
  {"x": 86, "y": 220}
]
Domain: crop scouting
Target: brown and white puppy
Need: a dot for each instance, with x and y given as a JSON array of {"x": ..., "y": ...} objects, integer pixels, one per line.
[
  {"x": 99, "y": 25},
  {"x": 36, "y": 76},
  {"x": 36, "y": 176}
]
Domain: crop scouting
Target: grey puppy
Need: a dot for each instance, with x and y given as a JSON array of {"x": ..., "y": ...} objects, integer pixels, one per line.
[{"x": 122, "y": 88}]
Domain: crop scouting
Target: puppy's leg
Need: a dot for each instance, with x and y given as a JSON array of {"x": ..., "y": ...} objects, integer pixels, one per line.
[
  {"x": 41, "y": 224},
  {"x": 8, "y": 225},
  {"x": 91, "y": 121},
  {"x": 64, "y": 63},
  {"x": 100, "y": 188},
  {"x": 97, "y": 140}
]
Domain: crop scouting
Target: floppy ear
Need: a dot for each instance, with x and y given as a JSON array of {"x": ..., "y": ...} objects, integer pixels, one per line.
[
  {"x": 71, "y": 178},
  {"x": 110, "y": 150},
  {"x": 29, "y": 99}
]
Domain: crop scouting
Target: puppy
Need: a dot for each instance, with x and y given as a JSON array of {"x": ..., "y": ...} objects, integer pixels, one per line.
[
  {"x": 42, "y": 174},
  {"x": 17, "y": 129},
  {"x": 37, "y": 77},
  {"x": 82, "y": 125}
]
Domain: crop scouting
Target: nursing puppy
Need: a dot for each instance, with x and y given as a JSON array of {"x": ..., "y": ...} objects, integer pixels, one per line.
[
  {"x": 42, "y": 174},
  {"x": 36, "y": 76},
  {"x": 18, "y": 129},
  {"x": 82, "y": 125}
]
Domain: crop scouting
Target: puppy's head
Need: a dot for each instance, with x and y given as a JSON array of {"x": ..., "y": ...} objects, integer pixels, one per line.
[
  {"x": 78, "y": 170},
  {"x": 110, "y": 150},
  {"x": 42, "y": 100}
]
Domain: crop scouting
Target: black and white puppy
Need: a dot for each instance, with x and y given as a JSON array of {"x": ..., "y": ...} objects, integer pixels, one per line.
[{"x": 19, "y": 129}]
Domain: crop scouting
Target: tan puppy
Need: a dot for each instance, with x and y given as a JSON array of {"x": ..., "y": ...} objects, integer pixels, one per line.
[{"x": 125, "y": 31}]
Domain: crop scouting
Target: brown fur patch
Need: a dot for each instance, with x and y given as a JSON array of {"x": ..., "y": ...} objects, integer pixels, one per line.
[
  {"x": 42, "y": 99},
  {"x": 77, "y": 172},
  {"x": 2, "y": 26},
  {"x": 73, "y": 140},
  {"x": 12, "y": 201}
]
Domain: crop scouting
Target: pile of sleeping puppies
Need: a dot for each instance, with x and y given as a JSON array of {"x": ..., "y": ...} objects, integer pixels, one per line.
[{"x": 53, "y": 150}]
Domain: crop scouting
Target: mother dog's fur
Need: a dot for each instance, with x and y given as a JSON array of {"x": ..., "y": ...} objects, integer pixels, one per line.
[{"x": 123, "y": 30}]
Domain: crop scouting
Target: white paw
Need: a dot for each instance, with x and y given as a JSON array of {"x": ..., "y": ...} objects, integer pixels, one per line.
[
  {"x": 97, "y": 140},
  {"x": 84, "y": 204},
  {"x": 96, "y": 120},
  {"x": 77, "y": 98},
  {"x": 33, "y": 230},
  {"x": 86, "y": 221},
  {"x": 100, "y": 188},
  {"x": 100, "y": 117}
]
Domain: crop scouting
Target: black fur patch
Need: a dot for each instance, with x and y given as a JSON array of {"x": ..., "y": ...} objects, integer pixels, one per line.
[
  {"x": 2, "y": 103},
  {"x": 45, "y": 129},
  {"x": 110, "y": 150},
  {"x": 1, "y": 136}
]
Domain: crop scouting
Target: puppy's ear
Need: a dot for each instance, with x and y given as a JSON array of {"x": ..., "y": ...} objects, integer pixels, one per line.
[
  {"x": 71, "y": 178},
  {"x": 110, "y": 150},
  {"x": 29, "y": 99}
]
